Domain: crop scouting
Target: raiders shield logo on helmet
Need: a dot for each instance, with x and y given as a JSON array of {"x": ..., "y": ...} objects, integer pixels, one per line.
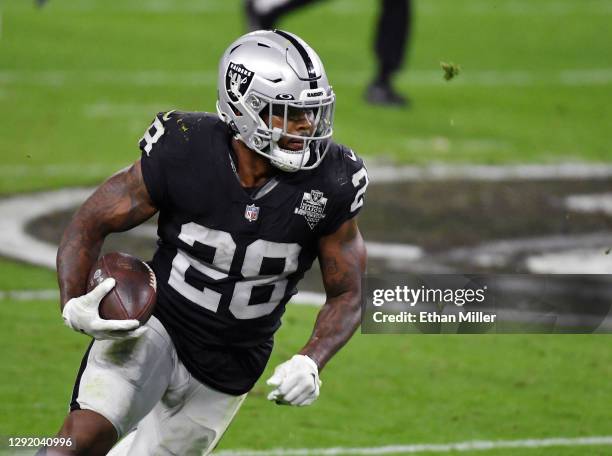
[{"x": 237, "y": 80}]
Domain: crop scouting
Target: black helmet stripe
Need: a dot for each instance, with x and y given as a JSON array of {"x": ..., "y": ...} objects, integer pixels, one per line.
[{"x": 312, "y": 76}]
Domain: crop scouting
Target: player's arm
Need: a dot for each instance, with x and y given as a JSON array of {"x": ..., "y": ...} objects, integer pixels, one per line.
[
  {"x": 342, "y": 256},
  {"x": 119, "y": 204}
]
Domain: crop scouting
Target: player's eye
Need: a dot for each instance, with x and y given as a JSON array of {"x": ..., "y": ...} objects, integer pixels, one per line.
[
  {"x": 294, "y": 114},
  {"x": 297, "y": 114}
]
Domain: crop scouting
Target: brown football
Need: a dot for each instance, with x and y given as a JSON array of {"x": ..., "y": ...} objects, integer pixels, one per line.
[{"x": 135, "y": 291}]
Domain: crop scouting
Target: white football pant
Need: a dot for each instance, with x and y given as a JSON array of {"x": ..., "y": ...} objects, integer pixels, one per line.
[{"x": 155, "y": 405}]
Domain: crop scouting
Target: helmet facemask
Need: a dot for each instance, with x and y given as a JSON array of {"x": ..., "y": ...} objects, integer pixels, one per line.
[{"x": 274, "y": 117}]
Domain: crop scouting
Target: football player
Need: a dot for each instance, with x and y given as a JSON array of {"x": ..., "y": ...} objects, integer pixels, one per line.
[{"x": 247, "y": 199}]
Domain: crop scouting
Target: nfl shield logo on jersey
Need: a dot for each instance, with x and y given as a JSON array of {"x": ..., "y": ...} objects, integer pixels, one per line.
[
  {"x": 312, "y": 207},
  {"x": 251, "y": 212}
]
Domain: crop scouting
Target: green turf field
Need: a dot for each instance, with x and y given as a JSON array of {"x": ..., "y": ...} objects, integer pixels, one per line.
[
  {"x": 81, "y": 80},
  {"x": 380, "y": 390}
]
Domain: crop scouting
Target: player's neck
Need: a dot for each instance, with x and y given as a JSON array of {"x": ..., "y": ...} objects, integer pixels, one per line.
[{"x": 253, "y": 169}]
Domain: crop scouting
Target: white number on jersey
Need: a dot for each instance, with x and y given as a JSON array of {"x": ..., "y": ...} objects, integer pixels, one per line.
[
  {"x": 360, "y": 175},
  {"x": 152, "y": 135},
  {"x": 225, "y": 248},
  {"x": 251, "y": 268}
]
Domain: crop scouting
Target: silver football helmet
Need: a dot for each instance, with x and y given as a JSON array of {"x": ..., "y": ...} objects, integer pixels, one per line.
[{"x": 274, "y": 73}]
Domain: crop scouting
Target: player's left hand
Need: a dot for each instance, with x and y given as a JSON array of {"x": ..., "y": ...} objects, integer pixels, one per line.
[{"x": 296, "y": 381}]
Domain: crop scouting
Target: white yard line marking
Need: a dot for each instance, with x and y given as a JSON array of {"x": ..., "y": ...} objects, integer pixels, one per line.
[
  {"x": 63, "y": 169},
  {"x": 378, "y": 173},
  {"x": 392, "y": 251},
  {"x": 308, "y": 298},
  {"x": 151, "y": 6},
  {"x": 474, "y": 445},
  {"x": 568, "y": 171},
  {"x": 29, "y": 295},
  {"x": 354, "y": 78},
  {"x": 595, "y": 259},
  {"x": 595, "y": 203},
  {"x": 572, "y": 261},
  {"x": 303, "y": 298},
  {"x": 106, "y": 109},
  {"x": 443, "y": 144},
  {"x": 347, "y": 7},
  {"x": 526, "y": 8},
  {"x": 501, "y": 252}
]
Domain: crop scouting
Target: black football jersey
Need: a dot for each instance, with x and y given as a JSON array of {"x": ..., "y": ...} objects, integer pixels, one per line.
[{"x": 229, "y": 259}]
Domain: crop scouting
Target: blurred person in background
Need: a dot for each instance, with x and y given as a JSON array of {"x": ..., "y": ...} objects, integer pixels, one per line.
[{"x": 392, "y": 35}]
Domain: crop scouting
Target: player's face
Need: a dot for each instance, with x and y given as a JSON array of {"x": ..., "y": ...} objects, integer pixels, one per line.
[{"x": 300, "y": 122}]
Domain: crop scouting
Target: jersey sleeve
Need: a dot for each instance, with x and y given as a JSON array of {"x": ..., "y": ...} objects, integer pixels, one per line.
[
  {"x": 156, "y": 146},
  {"x": 350, "y": 195}
]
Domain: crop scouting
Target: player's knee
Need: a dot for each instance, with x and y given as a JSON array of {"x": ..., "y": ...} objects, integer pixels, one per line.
[{"x": 88, "y": 432}]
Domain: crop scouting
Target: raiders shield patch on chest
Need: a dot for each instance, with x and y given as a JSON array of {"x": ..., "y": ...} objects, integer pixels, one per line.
[{"x": 312, "y": 207}]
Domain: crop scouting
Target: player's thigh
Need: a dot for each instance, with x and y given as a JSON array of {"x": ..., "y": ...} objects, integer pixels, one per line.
[
  {"x": 190, "y": 421},
  {"x": 123, "y": 380}
]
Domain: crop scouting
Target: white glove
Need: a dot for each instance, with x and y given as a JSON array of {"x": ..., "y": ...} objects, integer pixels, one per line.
[
  {"x": 296, "y": 381},
  {"x": 81, "y": 314}
]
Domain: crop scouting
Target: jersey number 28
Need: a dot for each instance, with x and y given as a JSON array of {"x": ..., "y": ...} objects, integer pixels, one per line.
[{"x": 224, "y": 250}]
